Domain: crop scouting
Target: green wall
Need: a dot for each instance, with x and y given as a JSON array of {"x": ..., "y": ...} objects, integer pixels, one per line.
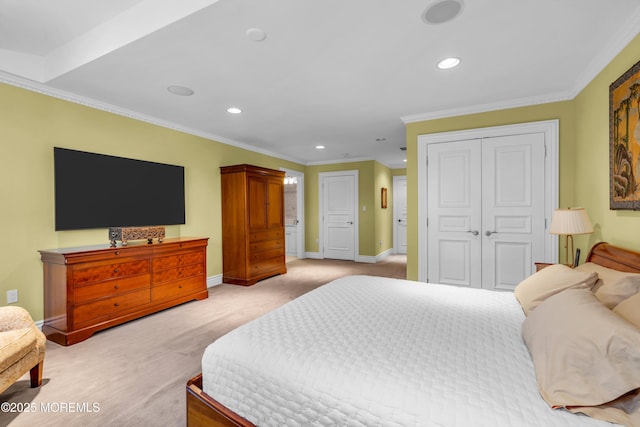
[
  {"x": 583, "y": 156},
  {"x": 31, "y": 124},
  {"x": 591, "y": 173},
  {"x": 375, "y": 222}
]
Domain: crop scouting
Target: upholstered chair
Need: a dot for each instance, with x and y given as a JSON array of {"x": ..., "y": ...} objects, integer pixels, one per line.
[{"x": 22, "y": 347}]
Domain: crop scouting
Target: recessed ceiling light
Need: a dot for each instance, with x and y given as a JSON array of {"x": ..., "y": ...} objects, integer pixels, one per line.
[
  {"x": 442, "y": 11},
  {"x": 319, "y": 147},
  {"x": 405, "y": 160},
  {"x": 234, "y": 110},
  {"x": 256, "y": 34},
  {"x": 180, "y": 90},
  {"x": 447, "y": 63}
]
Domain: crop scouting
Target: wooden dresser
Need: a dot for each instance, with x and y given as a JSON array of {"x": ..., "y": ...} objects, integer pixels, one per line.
[
  {"x": 252, "y": 224},
  {"x": 88, "y": 289}
]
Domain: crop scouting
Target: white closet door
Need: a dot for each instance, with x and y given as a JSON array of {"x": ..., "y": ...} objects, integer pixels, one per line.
[
  {"x": 485, "y": 207},
  {"x": 512, "y": 208},
  {"x": 454, "y": 213}
]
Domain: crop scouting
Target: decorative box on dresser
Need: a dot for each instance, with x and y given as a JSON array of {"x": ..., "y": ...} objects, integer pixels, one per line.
[
  {"x": 88, "y": 289},
  {"x": 252, "y": 224}
]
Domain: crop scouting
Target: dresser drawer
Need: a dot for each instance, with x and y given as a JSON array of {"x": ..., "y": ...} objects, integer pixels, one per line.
[
  {"x": 259, "y": 236},
  {"x": 264, "y": 246},
  {"x": 177, "y": 289},
  {"x": 173, "y": 261},
  {"x": 266, "y": 266},
  {"x": 100, "y": 272},
  {"x": 265, "y": 255},
  {"x": 109, "y": 256},
  {"x": 166, "y": 248},
  {"x": 111, "y": 287},
  {"x": 107, "y": 307},
  {"x": 185, "y": 272}
]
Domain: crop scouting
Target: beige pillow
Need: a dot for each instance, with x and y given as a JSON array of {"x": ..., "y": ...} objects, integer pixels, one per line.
[
  {"x": 613, "y": 286},
  {"x": 549, "y": 281},
  {"x": 584, "y": 354},
  {"x": 629, "y": 309}
]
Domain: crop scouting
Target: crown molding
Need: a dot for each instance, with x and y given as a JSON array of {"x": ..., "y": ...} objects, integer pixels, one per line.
[
  {"x": 33, "y": 86},
  {"x": 494, "y": 106}
]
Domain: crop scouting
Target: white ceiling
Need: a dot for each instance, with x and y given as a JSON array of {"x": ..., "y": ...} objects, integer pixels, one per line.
[{"x": 346, "y": 74}]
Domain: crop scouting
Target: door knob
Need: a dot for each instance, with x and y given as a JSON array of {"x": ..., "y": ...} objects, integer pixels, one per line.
[
  {"x": 474, "y": 232},
  {"x": 489, "y": 233}
]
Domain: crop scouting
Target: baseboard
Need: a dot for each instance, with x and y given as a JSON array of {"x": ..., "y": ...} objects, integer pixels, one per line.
[
  {"x": 214, "y": 280},
  {"x": 385, "y": 254},
  {"x": 313, "y": 255},
  {"x": 360, "y": 258}
]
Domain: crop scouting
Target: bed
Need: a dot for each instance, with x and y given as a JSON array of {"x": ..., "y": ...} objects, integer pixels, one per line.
[{"x": 371, "y": 351}]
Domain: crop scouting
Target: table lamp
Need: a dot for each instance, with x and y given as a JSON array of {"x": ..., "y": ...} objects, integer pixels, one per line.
[{"x": 567, "y": 222}]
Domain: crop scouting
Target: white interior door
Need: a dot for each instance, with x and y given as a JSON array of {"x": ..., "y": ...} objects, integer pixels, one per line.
[
  {"x": 400, "y": 214},
  {"x": 454, "y": 213},
  {"x": 513, "y": 208},
  {"x": 486, "y": 210},
  {"x": 339, "y": 207},
  {"x": 501, "y": 248}
]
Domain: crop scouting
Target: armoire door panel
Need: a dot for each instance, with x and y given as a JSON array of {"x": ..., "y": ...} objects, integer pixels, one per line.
[
  {"x": 275, "y": 202},
  {"x": 257, "y": 202}
]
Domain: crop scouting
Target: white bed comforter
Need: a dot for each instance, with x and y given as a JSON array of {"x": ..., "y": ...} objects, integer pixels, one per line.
[{"x": 372, "y": 351}]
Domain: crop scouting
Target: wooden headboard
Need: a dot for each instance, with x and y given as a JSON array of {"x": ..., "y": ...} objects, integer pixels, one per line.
[{"x": 614, "y": 257}]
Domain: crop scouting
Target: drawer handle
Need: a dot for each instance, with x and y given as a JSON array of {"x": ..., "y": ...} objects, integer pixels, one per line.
[
  {"x": 117, "y": 252},
  {"x": 116, "y": 287},
  {"x": 115, "y": 271},
  {"x": 116, "y": 304},
  {"x": 180, "y": 286}
]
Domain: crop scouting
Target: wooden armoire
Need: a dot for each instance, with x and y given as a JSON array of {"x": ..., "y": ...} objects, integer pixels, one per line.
[{"x": 252, "y": 224}]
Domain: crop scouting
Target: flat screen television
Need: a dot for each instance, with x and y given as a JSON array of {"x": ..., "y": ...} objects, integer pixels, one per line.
[{"x": 99, "y": 191}]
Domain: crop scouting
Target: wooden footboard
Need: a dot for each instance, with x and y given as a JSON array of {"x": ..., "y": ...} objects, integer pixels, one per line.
[{"x": 205, "y": 411}]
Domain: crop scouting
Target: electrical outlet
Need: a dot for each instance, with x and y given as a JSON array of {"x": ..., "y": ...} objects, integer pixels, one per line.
[{"x": 12, "y": 296}]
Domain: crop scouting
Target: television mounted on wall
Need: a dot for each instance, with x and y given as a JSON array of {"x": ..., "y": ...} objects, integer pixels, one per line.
[{"x": 100, "y": 191}]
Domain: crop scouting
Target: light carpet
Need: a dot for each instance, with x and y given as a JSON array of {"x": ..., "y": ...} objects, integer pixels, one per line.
[{"x": 135, "y": 374}]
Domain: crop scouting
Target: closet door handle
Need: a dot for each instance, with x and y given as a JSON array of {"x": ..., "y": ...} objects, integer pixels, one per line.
[
  {"x": 474, "y": 232},
  {"x": 489, "y": 233}
]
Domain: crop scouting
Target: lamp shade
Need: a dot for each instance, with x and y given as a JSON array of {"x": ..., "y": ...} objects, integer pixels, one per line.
[{"x": 570, "y": 221}]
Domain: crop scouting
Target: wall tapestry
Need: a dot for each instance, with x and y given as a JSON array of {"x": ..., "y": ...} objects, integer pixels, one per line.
[{"x": 624, "y": 143}]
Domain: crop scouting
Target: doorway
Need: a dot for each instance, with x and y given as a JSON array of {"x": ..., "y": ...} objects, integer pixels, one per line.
[
  {"x": 400, "y": 214},
  {"x": 486, "y": 197},
  {"x": 338, "y": 215},
  {"x": 294, "y": 214}
]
